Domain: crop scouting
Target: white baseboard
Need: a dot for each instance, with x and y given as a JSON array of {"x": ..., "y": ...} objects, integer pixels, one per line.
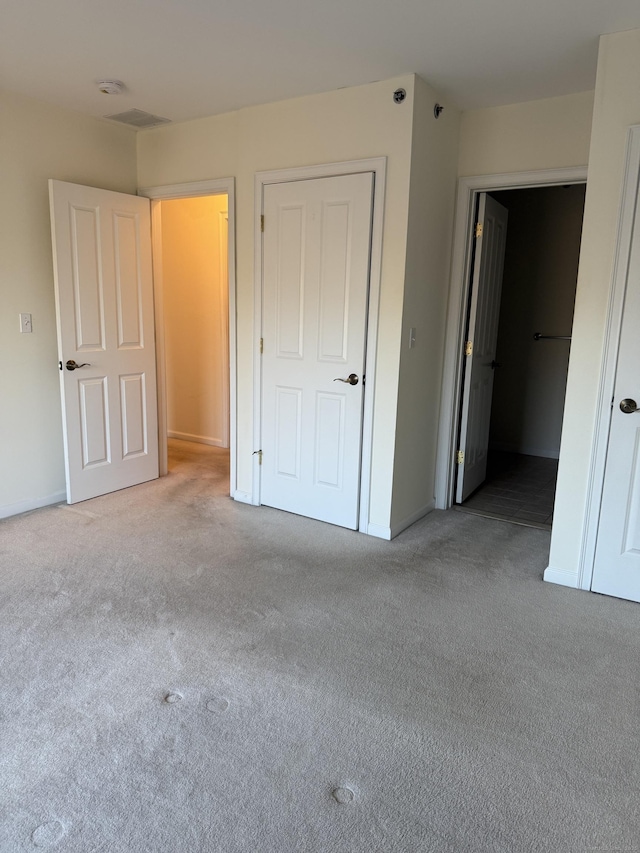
[
  {"x": 8, "y": 510},
  {"x": 504, "y": 447},
  {"x": 199, "y": 439},
  {"x": 378, "y": 531},
  {"x": 391, "y": 532},
  {"x": 243, "y": 497},
  {"x": 411, "y": 519},
  {"x": 561, "y": 577}
]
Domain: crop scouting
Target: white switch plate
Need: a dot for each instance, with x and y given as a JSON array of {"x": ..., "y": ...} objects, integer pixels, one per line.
[{"x": 26, "y": 326}]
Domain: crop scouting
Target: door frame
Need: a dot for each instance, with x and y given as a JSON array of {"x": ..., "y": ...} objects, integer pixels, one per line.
[
  {"x": 461, "y": 267},
  {"x": 219, "y": 186},
  {"x": 629, "y": 209},
  {"x": 377, "y": 166}
]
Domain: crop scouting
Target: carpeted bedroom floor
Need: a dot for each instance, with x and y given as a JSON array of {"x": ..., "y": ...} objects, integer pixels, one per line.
[{"x": 179, "y": 672}]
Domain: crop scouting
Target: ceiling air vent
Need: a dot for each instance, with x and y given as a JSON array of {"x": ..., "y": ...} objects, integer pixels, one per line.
[{"x": 138, "y": 118}]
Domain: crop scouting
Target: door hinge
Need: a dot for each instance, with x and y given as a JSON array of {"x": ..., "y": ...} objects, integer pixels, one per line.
[
  {"x": 468, "y": 348},
  {"x": 258, "y": 453},
  {"x": 262, "y": 222},
  {"x": 479, "y": 229},
  {"x": 261, "y": 345},
  {"x": 460, "y": 457}
]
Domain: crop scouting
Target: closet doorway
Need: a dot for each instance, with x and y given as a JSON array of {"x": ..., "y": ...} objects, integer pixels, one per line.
[{"x": 527, "y": 361}]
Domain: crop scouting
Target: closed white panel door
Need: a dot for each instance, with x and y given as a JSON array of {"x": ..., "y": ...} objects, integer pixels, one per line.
[
  {"x": 104, "y": 304},
  {"x": 316, "y": 249},
  {"x": 617, "y": 563},
  {"x": 484, "y": 314}
]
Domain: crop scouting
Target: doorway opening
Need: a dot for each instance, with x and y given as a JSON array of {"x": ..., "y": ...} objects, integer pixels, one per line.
[
  {"x": 519, "y": 422},
  {"x": 193, "y": 242},
  {"x": 193, "y": 256}
]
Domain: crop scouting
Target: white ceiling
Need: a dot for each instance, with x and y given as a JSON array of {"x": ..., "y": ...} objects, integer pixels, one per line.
[{"x": 188, "y": 58}]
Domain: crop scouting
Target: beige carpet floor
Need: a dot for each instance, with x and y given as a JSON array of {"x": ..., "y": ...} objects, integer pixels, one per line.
[{"x": 180, "y": 672}]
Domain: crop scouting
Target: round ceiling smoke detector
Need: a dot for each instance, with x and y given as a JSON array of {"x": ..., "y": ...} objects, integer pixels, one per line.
[{"x": 110, "y": 87}]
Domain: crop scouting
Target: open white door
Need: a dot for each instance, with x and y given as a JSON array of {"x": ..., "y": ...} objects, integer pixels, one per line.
[
  {"x": 104, "y": 305},
  {"x": 317, "y": 236},
  {"x": 484, "y": 313},
  {"x": 617, "y": 560}
]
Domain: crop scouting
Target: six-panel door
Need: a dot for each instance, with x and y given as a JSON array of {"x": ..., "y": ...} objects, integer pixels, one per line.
[
  {"x": 104, "y": 304},
  {"x": 316, "y": 250}
]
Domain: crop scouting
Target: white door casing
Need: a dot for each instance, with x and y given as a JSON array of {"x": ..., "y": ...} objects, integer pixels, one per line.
[
  {"x": 316, "y": 253},
  {"x": 484, "y": 314},
  {"x": 616, "y": 569},
  {"x": 105, "y": 320}
]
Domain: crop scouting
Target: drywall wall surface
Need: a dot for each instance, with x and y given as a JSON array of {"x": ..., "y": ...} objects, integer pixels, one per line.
[
  {"x": 617, "y": 107},
  {"x": 38, "y": 142},
  {"x": 434, "y": 156},
  {"x": 347, "y": 124},
  {"x": 196, "y": 150},
  {"x": 538, "y": 293},
  {"x": 552, "y": 133},
  {"x": 194, "y": 289}
]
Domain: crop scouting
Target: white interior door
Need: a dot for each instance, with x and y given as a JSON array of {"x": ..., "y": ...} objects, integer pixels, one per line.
[
  {"x": 316, "y": 249},
  {"x": 104, "y": 305},
  {"x": 486, "y": 288},
  {"x": 617, "y": 560}
]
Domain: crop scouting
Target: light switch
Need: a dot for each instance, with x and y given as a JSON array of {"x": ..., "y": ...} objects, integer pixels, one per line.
[{"x": 26, "y": 326}]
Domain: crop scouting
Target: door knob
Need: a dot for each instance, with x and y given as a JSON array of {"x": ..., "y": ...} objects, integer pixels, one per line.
[
  {"x": 351, "y": 380},
  {"x": 72, "y": 365},
  {"x": 628, "y": 406},
  {"x": 495, "y": 364}
]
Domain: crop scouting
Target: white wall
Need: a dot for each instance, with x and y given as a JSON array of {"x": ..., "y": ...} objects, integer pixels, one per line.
[
  {"x": 38, "y": 142},
  {"x": 538, "y": 293},
  {"x": 194, "y": 289},
  {"x": 431, "y": 201},
  {"x": 617, "y": 106},
  {"x": 552, "y": 133},
  {"x": 346, "y": 124}
]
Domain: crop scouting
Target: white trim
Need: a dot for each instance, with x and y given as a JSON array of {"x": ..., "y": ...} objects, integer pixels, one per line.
[
  {"x": 468, "y": 189},
  {"x": 242, "y": 497},
  {"x": 18, "y": 508},
  {"x": 223, "y": 316},
  {"x": 628, "y": 206},
  {"x": 389, "y": 533},
  {"x": 377, "y": 165},
  {"x": 193, "y": 190},
  {"x": 158, "y": 305},
  {"x": 411, "y": 519},
  {"x": 198, "y": 439},
  {"x": 561, "y": 577},
  {"x": 378, "y": 531},
  {"x": 216, "y": 186}
]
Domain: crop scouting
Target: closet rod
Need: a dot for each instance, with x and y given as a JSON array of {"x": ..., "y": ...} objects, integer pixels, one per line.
[{"x": 539, "y": 337}]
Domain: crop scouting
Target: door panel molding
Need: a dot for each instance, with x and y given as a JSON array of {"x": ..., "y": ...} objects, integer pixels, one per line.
[
  {"x": 218, "y": 186},
  {"x": 377, "y": 166},
  {"x": 468, "y": 190}
]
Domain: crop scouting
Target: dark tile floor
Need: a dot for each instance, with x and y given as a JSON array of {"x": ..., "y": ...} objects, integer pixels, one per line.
[{"x": 518, "y": 488}]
